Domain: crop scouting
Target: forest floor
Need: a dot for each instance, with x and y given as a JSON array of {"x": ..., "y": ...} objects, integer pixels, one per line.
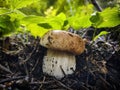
[{"x": 97, "y": 68}]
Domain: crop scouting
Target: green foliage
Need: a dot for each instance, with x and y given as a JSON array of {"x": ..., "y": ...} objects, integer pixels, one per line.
[
  {"x": 35, "y": 30},
  {"x": 42, "y": 24},
  {"x": 10, "y": 16},
  {"x": 4, "y": 11},
  {"x": 79, "y": 22},
  {"x": 110, "y": 17},
  {"x": 100, "y": 34},
  {"x": 40, "y": 16},
  {"x": 96, "y": 19},
  {"x": 81, "y": 19},
  {"x": 7, "y": 25},
  {"x": 39, "y": 7},
  {"x": 107, "y": 18},
  {"x": 69, "y": 7},
  {"x": 16, "y": 4}
]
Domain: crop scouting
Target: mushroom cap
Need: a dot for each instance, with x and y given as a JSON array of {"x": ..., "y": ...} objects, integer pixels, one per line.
[{"x": 63, "y": 41}]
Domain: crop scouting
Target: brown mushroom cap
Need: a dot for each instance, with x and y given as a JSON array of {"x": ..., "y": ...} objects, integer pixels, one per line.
[{"x": 63, "y": 41}]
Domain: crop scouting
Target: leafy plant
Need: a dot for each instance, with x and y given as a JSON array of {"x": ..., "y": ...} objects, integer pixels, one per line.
[
  {"x": 59, "y": 14},
  {"x": 7, "y": 25},
  {"x": 111, "y": 17},
  {"x": 10, "y": 16},
  {"x": 96, "y": 19},
  {"x": 100, "y": 34},
  {"x": 105, "y": 19}
]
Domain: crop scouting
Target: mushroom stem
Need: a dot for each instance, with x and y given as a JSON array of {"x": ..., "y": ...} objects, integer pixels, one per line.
[{"x": 55, "y": 60}]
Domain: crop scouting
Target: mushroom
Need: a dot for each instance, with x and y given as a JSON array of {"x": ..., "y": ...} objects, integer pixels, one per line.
[{"x": 62, "y": 48}]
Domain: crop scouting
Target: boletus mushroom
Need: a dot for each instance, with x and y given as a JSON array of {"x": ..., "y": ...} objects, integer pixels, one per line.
[{"x": 62, "y": 48}]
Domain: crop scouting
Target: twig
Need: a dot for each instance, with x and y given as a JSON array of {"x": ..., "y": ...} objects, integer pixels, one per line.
[
  {"x": 42, "y": 83},
  {"x": 11, "y": 79},
  {"x": 72, "y": 70},
  {"x": 30, "y": 55},
  {"x": 26, "y": 69},
  {"x": 62, "y": 70},
  {"x": 35, "y": 65},
  {"x": 45, "y": 82},
  {"x": 5, "y": 69},
  {"x": 97, "y": 6},
  {"x": 63, "y": 85},
  {"x": 104, "y": 80},
  {"x": 11, "y": 52}
]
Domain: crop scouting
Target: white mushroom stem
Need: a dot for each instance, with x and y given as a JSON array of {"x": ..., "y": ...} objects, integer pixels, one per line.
[
  {"x": 62, "y": 48},
  {"x": 56, "y": 61}
]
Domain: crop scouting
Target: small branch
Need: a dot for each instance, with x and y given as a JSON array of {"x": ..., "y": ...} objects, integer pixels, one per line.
[
  {"x": 96, "y": 5},
  {"x": 45, "y": 82},
  {"x": 63, "y": 85},
  {"x": 11, "y": 79},
  {"x": 5, "y": 69},
  {"x": 42, "y": 83},
  {"x": 104, "y": 81},
  {"x": 35, "y": 65},
  {"x": 30, "y": 55},
  {"x": 62, "y": 70},
  {"x": 11, "y": 52}
]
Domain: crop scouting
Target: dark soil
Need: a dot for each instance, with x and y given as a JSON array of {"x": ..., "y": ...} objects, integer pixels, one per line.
[{"x": 98, "y": 68}]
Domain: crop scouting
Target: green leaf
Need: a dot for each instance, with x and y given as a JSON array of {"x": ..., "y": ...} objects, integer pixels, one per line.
[
  {"x": 100, "y": 34},
  {"x": 79, "y": 22},
  {"x": 45, "y": 25},
  {"x": 4, "y": 11},
  {"x": 57, "y": 22},
  {"x": 37, "y": 30},
  {"x": 7, "y": 26},
  {"x": 96, "y": 19},
  {"x": 39, "y": 25},
  {"x": 33, "y": 19},
  {"x": 111, "y": 17},
  {"x": 17, "y": 4},
  {"x": 16, "y": 15}
]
